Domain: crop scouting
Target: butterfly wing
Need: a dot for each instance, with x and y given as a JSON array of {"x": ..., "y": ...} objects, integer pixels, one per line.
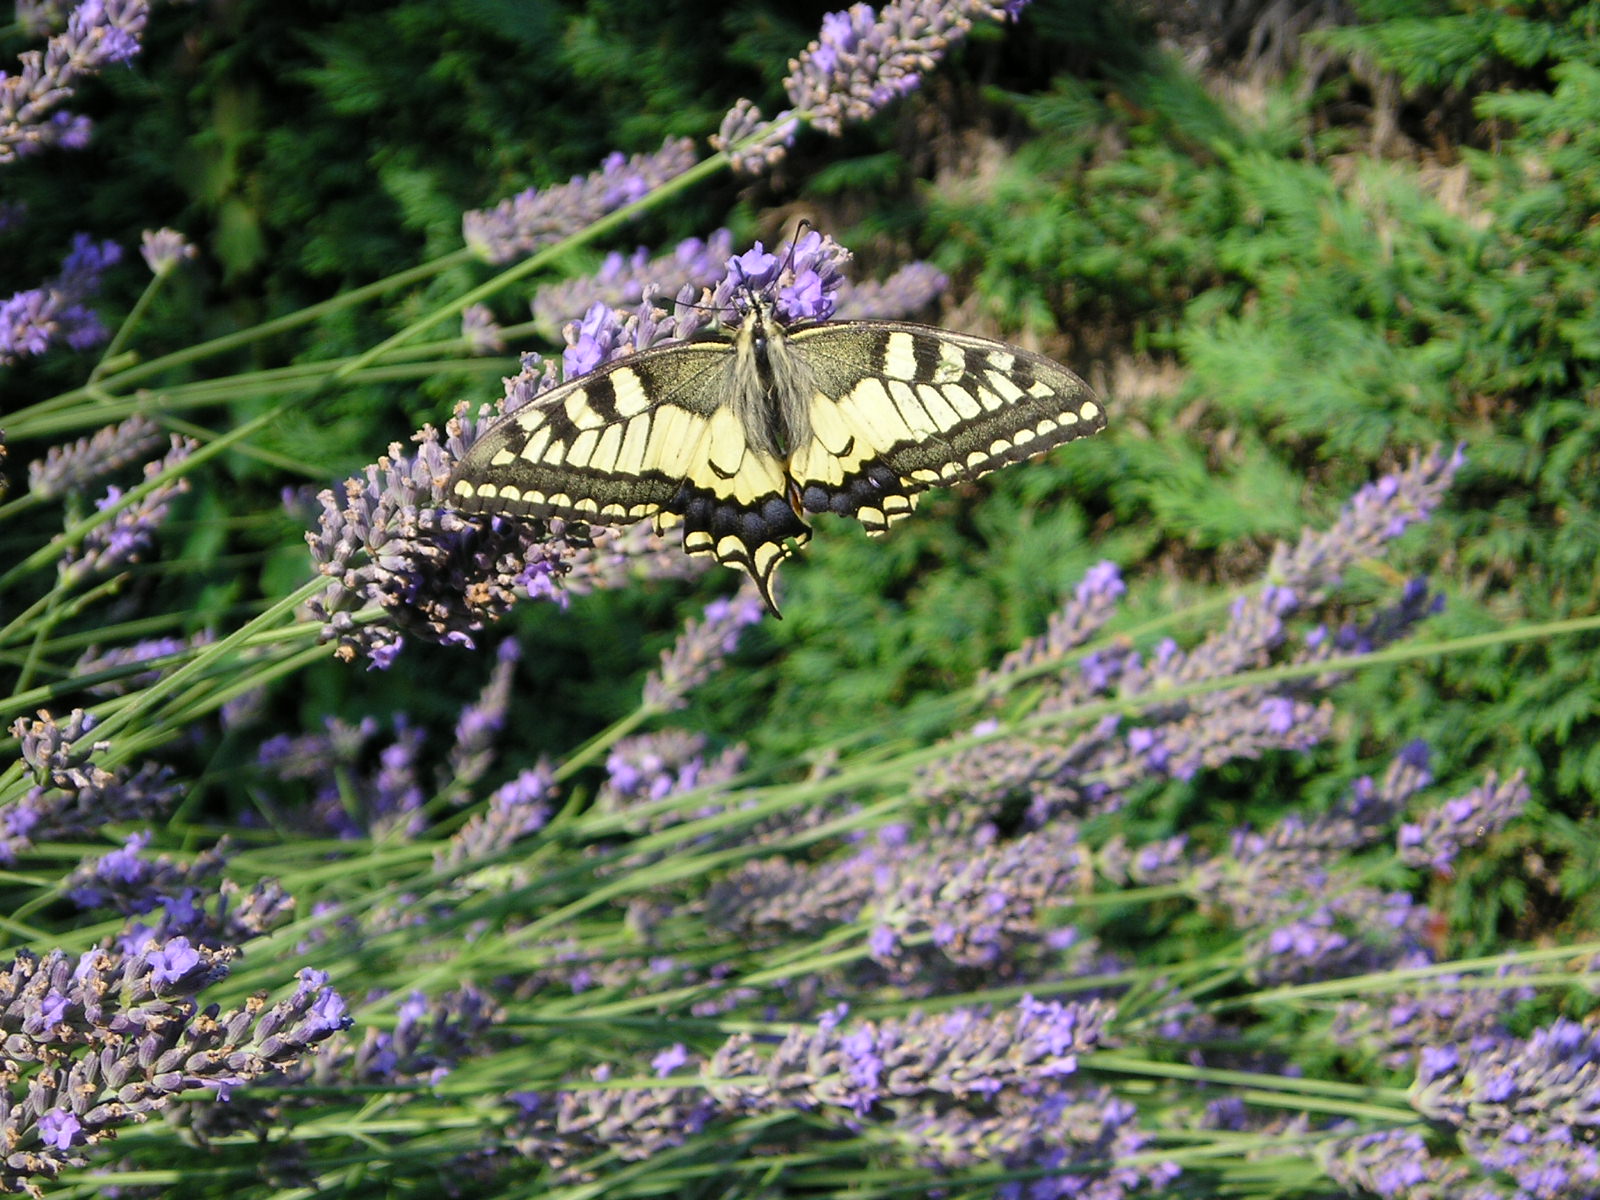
[
  {"x": 648, "y": 435},
  {"x": 901, "y": 408}
]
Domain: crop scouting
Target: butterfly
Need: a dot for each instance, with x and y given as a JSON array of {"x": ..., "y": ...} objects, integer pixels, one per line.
[{"x": 740, "y": 438}]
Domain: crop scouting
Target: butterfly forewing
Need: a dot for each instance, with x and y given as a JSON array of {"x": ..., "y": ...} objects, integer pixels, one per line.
[
  {"x": 901, "y": 408},
  {"x": 737, "y": 440}
]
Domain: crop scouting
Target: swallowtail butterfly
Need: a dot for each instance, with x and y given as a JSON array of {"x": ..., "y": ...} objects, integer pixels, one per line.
[{"x": 740, "y": 438}]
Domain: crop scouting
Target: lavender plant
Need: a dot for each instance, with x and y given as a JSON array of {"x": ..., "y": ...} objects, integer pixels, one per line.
[{"x": 982, "y": 961}]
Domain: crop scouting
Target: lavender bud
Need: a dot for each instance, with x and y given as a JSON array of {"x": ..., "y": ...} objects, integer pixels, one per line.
[
  {"x": 624, "y": 281},
  {"x": 863, "y": 59},
  {"x": 56, "y": 311},
  {"x": 164, "y": 249},
  {"x": 98, "y": 33},
  {"x": 436, "y": 573},
  {"x": 753, "y": 144},
  {"x": 516, "y": 227},
  {"x": 481, "y": 721},
  {"x": 701, "y": 649},
  {"x": 517, "y": 810},
  {"x": 909, "y": 290},
  {"x": 1446, "y": 829},
  {"x": 72, "y": 796},
  {"x": 480, "y": 330},
  {"x": 72, "y": 467},
  {"x": 130, "y": 535}
]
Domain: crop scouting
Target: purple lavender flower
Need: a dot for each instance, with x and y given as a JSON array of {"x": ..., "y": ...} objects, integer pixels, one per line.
[
  {"x": 1525, "y": 1107},
  {"x": 351, "y": 799},
  {"x": 1446, "y": 829},
  {"x": 653, "y": 766},
  {"x": 125, "y": 1039},
  {"x": 752, "y": 143},
  {"x": 95, "y": 660},
  {"x": 1394, "y": 1164},
  {"x": 479, "y": 722},
  {"x": 440, "y": 575},
  {"x": 623, "y": 281},
  {"x": 76, "y": 465},
  {"x": 517, "y": 227},
  {"x": 1175, "y": 740},
  {"x": 130, "y": 534},
  {"x": 863, "y": 59},
  {"x": 960, "y": 1054},
  {"x": 99, "y": 33},
  {"x": 56, "y": 311},
  {"x": 517, "y": 809},
  {"x": 480, "y": 330},
  {"x": 701, "y": 650},
  {"x": 164, "y": 249},
  {"x": 910, "y": 289},
  {"x": 1443, "y": 1013},
  {"x": 73, "y": 797},
  {"x": 132, "y": 884},
  {"x": 1065, "y": 1143}
]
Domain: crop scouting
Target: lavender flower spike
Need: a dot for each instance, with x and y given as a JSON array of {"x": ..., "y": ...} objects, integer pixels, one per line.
[
  {"x": 128, "y": 536},
  {"x": 1441, "y": 833},
  {"x": 113, "y": 1038},
  {"x": 701, "y": 650},
  {"x": 864, "y": 59},
  {"x": 68, "y": 468},
  {"x": 57, "y": 311},
  {"x": 517, "y": 227},
  {"x": 99, "y": 33}
]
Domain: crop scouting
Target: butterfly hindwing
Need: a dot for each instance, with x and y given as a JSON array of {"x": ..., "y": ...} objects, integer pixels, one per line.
[{"x": 901, "y": 408}]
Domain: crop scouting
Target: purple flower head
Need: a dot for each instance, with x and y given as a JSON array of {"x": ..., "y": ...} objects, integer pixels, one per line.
[
  {"x": 173, "y": 961},
  {"x": 590, "y": 341},
  {"x": 99, "y": 33},
  {"x": 439, "y": 575},
  {"x": 1442, "y": 832},
  {"x": 624, "y": 281},
  {"x": 909, "y": 290},
  {"x": 517, "y": 227},
  {"x": 862, "y": 59},
  {"x": 57, "y": 311},
  {"x": 701, "y": 649},
  {"x": 669, "y": 1060},
  {"x": 753, "y": 143}
]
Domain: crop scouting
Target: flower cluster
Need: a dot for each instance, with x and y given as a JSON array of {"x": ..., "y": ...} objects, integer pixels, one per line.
[
  {"x": 103, "y": 1040},
  {"x": 57, "y": 310},
  {"x": 164, "y": 249},
  {"x": 701, "y": 649},
  {"x": 95, "y": 660},
  {"x": 433, "y": 572},
  {"x": 517, "y": 227},
  {"x": 74, "y": 466},
  {"x": 99, "y": 33},
  {"x": 1526, "y": 1107},
  {"x": 624, "y": 280},
  {"x": 1175, "y": 739},
  {"x": 130, "y": 533},
  {"x": 1445, "y": 830},
  {"x": 907, "y": 1069},
  {"x": 71, "y": 796},
  {"x": 864, "y": 59}
]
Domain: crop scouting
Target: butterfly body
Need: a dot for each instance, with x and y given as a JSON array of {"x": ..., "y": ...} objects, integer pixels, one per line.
[{"x": 740, "y": 439}]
